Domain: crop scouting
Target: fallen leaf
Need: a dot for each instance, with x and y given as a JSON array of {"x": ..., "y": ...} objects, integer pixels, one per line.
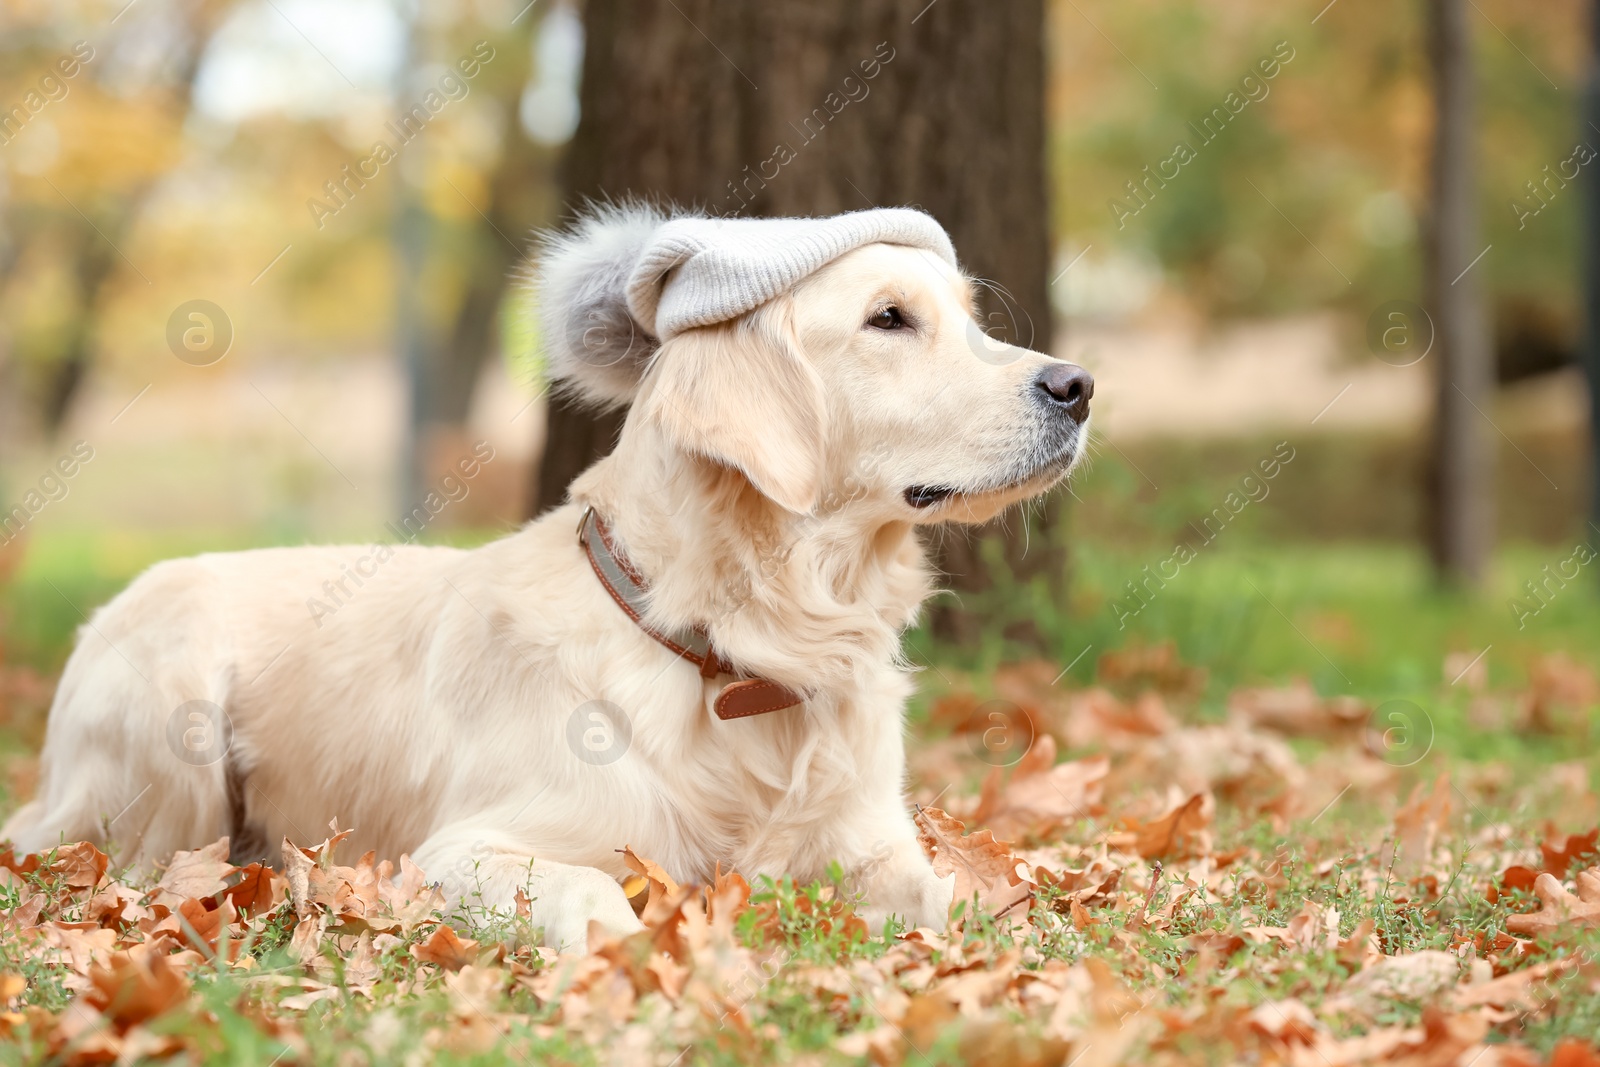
[
  {"x": 447, "y": 949},
  {"x": 664, "y": 895},
  {"x": 1040, "y": 797},
  {"x": 981, "y": 865},
  {"x": 79, "y": 865},
  {"x": 1514, "y": 879},
  {"x": 202, "y": 873},
  {"x": 1419, "y": 824},
  {"x": 1180, "y": 832},
  {"x": 1560, "y": 855},
  {"x": 134, "y": 990},
  {"x": 1299, "y": 711},
  {"x": 1559, "y": 908},
  {"x": 257, "y": 888}
]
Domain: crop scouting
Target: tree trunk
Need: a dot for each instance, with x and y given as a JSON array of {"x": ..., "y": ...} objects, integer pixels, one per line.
[
  {"x": 1461, "y": 523},
  {"x": 1591, "y": 270},
  {"x": 444, "y": 356},
  {"x": 818, "y": 108}
]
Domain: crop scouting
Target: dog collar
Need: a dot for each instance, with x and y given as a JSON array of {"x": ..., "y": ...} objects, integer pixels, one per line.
[{"x": 739, "y": 699}]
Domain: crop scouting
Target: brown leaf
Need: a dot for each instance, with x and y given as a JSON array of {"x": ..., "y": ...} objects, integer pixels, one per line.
[
  {"x": 1514, "y": 879},
  {"x": 1573, "y": 1052},
  {"x": 1413, "y": 976},
  {"x": 297, "y": 867},
  {"x": 1180, "y": 832},
  {"x": 1154, "y": 667},
  {"x": 79, "y": 865},
  {"x": 664, "y": 893},
  {"x": 1040, "y": 797},
  {"x": 1558, "y": 908},
  {"x": 202, "y": 873},
  {"x": 1419, "y": 823},
  {"x": 257, "y": 889},
  {"x": 447, "y": 949},
  {"x": 134, "y": 990},
  {"x": 206, "y": 924},
  {"x": 981, "y": 864},
  {"x": 1560, "y": 855},
  {"x": 1299, "y": 711},
  {"x": 1561, "y": 691},
  {"x": 23, "y": 866}
]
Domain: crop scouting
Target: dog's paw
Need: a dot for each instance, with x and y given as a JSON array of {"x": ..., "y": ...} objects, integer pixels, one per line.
[
  {"x": 578, "y": 932},
  {"x": 594, "y": 898}
]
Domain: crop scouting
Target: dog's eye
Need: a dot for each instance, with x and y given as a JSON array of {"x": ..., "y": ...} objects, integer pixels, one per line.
[{"x": 888, "y": 318}]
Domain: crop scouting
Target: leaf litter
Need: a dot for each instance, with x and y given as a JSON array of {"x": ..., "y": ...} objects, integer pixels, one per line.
[{"x": 1173, "y": 892}]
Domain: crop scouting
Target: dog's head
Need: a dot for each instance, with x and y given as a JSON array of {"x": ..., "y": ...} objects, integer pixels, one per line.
[{"x": 867, "y": 383}]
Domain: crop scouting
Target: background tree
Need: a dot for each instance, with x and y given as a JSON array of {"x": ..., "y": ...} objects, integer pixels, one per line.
[
  {"x": 1461, "y": 473},
  {"x": 444, "y": 348},
  {"x": 818, "y": 108},
  {"x": 1591, "y": 264}
]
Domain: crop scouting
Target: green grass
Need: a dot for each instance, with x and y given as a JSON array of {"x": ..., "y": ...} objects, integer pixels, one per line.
[{"x": 1365, "y": 620}]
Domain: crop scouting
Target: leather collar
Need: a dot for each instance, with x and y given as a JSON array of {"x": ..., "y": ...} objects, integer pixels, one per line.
[{"x": 740, "y": 698}]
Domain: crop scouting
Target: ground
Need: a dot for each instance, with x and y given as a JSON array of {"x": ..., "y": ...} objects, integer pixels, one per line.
[{"x": 1299, "y": 807}]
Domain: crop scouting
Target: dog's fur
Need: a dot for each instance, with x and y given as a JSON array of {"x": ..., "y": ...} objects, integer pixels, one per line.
[{"x": 759, "y": 485}]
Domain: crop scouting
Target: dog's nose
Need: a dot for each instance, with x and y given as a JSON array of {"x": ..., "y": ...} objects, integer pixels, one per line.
[{"x": 1069, "y": 386}]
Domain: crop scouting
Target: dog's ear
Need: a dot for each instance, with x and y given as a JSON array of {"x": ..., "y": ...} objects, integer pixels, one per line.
[
  {"x": 742, "y": 393},
  {"x": 579, "y": 279}
]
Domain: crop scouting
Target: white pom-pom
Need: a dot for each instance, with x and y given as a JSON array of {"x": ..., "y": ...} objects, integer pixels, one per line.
[{"x": 580, "y": 278}]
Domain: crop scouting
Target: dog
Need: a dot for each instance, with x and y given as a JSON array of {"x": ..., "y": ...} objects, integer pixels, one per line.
[{"x": 513, "y": 715}]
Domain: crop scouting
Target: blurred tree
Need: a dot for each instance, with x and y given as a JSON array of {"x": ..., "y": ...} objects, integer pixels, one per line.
[
  {"x": 497, "y": 202},
  {"x": 1461, "y": 533},
  {"x": 823, "y": 107},
  {"x": 91, "y": 197},
  {"x": 1591, "y": 265}
]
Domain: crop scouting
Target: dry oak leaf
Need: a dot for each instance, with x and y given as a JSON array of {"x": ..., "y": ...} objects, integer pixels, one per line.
[
  {"x": 1288, "y": 1021},
  {"x": 1041, "y": 797},
  {"x": 1559, "y": 856},
  {"x": 1559, "y": 908},
  {"x": 80, "y": 950},
  {"x": 447, "y": 949},
  {"x": 1560, "y": 693},
  {"x": 1443, "y": 1040},
  {"x": 1254, "y": 770},
  {"x": 195, "y": 924},
  {"x": 1299, "y": 711},
  {"x": 1571, "y": 1052},
  {"x": 1522, "y": 990},
  {"x": 134, "y": 989},
  {"x": 664, "y": 895},
  {"x": 980, "y": 864},
  {"x": 78, "y": 866},
  {"x": 1180, "y": 832},
  {"x": 1099, "y": 718},
  {"x": 1153, "y": 666},
  {"x": 1420, "y": 822},
  {"x": 1095, "y": 884},
  {"x": 1513, "y": 879},
  {"x": 202, "y": 873},
  {"x": 257, "y": 889},
  {"x": 1413, "y": 976}
]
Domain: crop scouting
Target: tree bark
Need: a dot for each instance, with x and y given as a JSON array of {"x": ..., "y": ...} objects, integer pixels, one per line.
[
  {"x": 1461, "y": 522},
  {"x": 1590, "y": 353},
  {"x": 444, "y": 356},
  {"x": 823, "y": 107}
]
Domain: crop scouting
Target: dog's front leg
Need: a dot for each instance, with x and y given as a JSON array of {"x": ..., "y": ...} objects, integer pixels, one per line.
[
  {"x": 895, "y": 878},
  {"x": 483, "y": 870}
]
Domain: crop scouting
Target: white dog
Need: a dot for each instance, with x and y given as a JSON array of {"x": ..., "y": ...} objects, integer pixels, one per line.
[{"x": 803, "y": 394}]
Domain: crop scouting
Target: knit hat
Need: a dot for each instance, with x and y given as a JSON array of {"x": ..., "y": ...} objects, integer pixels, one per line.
[{"x": 626, "y": 278}]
